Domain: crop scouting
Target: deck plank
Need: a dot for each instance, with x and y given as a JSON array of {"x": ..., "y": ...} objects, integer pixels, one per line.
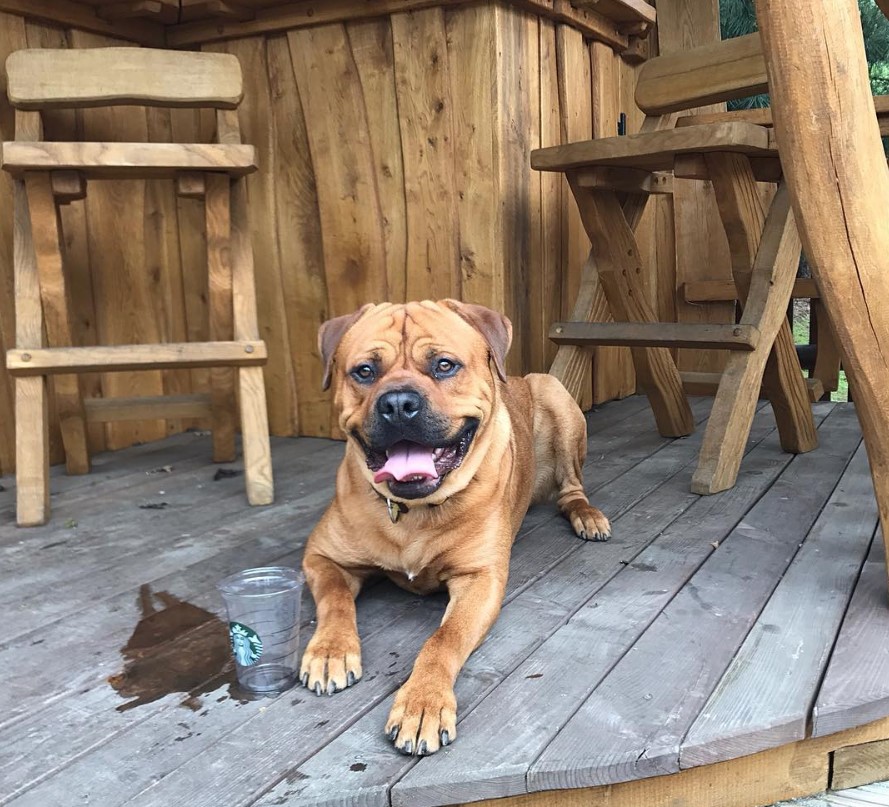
[
  {"x": 632, "y": 724},
  {"x": 539, "y": 696},
  {"x": 108, "y": 556},
  {"x": 388, "y": 654},
  {"x": 596, "y": 612},
  {"x": 629, "y": 440},
  {"x": 327, "y": 778},
  {"x": 856, "y": 685},
  {"x": 766, "y": 694}
]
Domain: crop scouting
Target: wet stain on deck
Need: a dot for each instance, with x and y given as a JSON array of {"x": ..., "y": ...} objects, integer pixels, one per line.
[{"x": 175, "y": 647}]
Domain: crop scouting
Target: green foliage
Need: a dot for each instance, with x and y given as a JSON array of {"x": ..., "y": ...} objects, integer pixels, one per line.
[{"x": 738, "y": 17}]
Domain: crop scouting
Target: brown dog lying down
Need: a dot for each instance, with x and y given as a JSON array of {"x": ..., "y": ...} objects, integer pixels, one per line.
[{"x": 444, "y": 454}]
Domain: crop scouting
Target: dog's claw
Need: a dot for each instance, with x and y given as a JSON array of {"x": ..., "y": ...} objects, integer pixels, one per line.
[
  {"x": 583, "y": 536},
  {"x": 407, "y": 748},
  {"x": 444, "y": 737},
  {"x": 393, "y": 733},
  {"x": 317, "y": 687},
  {"x": 422, "y": 749},
  {"x": 331, "y": 687},
  {"x": 350, "y": 678},
  {"x": 305, "y": 679}
]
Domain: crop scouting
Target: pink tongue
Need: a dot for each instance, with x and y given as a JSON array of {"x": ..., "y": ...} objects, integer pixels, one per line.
[{"x": 407, "y": 460}]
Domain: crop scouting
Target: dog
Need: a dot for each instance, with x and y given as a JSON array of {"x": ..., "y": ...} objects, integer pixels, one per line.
[{"x": 444, "y": 454}]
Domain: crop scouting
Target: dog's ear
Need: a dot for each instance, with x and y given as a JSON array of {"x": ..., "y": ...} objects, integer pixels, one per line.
[
  {"x": 496, "y": 329},
  {"x": 329, "y": 336}
]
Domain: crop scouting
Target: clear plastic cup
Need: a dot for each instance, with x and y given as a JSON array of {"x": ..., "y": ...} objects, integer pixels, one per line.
[{"x": 263, "y": 620}]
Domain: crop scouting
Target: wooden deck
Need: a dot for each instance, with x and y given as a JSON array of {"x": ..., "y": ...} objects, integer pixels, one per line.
[{"x": 708, "y": 629}]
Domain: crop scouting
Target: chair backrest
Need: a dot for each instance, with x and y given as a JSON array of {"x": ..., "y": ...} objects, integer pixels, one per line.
[
  {"x": 77, "y": 78},
  {"x": 723, "y": 71}
]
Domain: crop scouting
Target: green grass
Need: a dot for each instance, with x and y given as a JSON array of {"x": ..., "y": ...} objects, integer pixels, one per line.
[{"x": 801, "y": 337}]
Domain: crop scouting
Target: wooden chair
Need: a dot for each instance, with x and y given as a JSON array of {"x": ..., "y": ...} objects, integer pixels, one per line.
[
  {"x": 611, "y": 180},
  {"x": 48, "y": 174}
]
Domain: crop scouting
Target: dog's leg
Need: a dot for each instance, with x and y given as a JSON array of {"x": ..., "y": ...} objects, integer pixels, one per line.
[
  {"x": 560, "y": 443},
  {"x": 424, "y": 715},
  {"x": 332, "y": 660},
  {"x": 570, "y": 452}
]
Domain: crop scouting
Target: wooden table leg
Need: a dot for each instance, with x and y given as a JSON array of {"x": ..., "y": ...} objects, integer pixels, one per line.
[
  {"x": 743, "y": 216},
  {"x": 771, "y": 283},
  {"x": 616, "y": 258},
  {"x": 254, "y": 415},
  {"x": 46, "y": 238},
  {"x": 222, "y": 379},
  {"x": 31, "y": 405},
  {"x": 835, "y": 169}
]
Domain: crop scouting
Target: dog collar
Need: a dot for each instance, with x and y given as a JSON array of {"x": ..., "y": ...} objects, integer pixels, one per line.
[{"x": 395, "y": 509}]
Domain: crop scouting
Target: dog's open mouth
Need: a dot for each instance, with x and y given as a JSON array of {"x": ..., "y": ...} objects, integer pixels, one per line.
[{"x": 413, "y": 470}]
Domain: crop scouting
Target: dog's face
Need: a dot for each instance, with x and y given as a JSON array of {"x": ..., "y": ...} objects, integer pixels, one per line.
[{"x": 415, "y": 387}]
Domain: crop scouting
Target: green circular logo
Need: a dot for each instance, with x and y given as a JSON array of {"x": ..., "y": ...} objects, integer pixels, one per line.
[{"x": 246, "y": 644}]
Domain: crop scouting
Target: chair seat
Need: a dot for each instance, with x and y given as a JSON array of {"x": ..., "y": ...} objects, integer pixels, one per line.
[
  {"x": 655, "y": 151},
  {"x": 127, "y": 160}
]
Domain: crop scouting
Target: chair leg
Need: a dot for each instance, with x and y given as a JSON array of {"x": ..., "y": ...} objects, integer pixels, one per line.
[
  {"x": 47, "y": 244},
  {"x": 255, "y": 436},
  {"x": 254, "y": 414},
  {"x": 743, "y": 216},
  {"x": 771, "y": 284},
  {"x": 616, "y": 257},
  {"x": 571, "y": 364},
  {"x": 31, "y": 451},
  {"x": 222, "y": 379},
  {"x": 827, "y": 355}
]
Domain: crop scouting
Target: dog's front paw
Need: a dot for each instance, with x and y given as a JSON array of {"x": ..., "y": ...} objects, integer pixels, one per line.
[
  {"x": 423, "y": 717},
  {"x": 589, "y": 522},
  {"x": 331, "y": 664}
]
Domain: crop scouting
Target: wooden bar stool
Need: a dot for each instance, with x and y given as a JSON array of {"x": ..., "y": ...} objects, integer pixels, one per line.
[
  {"x": 48, "y": 174},
  {"x": 611, "y": 180}
]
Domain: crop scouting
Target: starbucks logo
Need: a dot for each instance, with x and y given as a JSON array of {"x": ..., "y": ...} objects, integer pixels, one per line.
[{"x": 246, "y": 644}]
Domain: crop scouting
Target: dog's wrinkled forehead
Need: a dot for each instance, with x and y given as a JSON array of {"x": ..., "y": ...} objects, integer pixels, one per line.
[
  {"x": 410, "y": 333},
  {"x": 407, "y": 333}
]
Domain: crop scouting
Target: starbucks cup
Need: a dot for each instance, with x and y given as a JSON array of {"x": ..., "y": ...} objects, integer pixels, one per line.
[{"x": 263, "y": 622}]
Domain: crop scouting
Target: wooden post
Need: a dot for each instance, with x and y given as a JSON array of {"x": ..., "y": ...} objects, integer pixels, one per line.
[{"x": 835, "y": 167}]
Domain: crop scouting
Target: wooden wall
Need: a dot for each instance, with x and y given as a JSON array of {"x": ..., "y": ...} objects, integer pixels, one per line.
[{"x": 394, "y": 165}]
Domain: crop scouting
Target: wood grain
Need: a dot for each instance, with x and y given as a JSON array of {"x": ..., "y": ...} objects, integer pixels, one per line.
[
  {"x": 685, "y": 651},
  {"x": 122, "y": 160},
  {"x": 47, "y": 78},
  {"x": 654, "y": 151},
  {"x": 743, "y": 338},
  {"x": 855, "y": 689},
  {"x": 426, "y": 110},
  {"x": 839, "y": 223},
  {"x": 46, "y": 238},
  {"x": 765, "y": 695}
]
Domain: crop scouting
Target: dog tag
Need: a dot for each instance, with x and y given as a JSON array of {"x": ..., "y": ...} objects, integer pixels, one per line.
[{"x": 394, "y": 510}]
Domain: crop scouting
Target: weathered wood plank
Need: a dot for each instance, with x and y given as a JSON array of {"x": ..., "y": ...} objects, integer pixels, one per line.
[
  {"x": 856, "y": 765},
  {"x": 254, "y": 115},
  {"x": 41, "y": 682},
  {"x": 657, "y": 334},
  {"x": 425, "y": 113},
  {"x": 765, "y": 695},
  {"x": 621, "y": 733},
  {"x": 322, "y": 780},
  {"x": 654, "y": 151},
  {"x": 855, "y": 689},
  {"x": 415, "y": 623},
  {"x": 538, "y": 696}
]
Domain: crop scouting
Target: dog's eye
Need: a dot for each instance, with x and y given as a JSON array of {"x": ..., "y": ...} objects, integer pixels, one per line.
[
  {"x": 445, "y": 368},
  {"x": 364, "y": 373}
]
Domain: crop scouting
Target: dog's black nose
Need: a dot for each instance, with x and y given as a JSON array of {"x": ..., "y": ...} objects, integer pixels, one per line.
[{"x": 399, "y": 406}]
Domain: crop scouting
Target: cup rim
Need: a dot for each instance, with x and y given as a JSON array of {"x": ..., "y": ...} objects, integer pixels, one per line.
[{"x": 292, "y": 579}]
